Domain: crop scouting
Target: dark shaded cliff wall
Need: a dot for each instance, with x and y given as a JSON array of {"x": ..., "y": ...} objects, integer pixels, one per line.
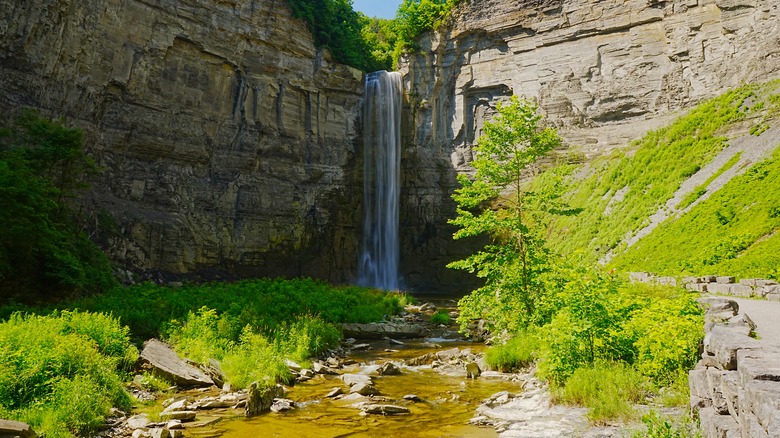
[
  {"x": 229, "y": 143},
  {"x": 604, "y": 72}
]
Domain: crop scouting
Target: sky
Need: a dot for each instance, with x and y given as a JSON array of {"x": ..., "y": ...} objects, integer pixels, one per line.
[{"x": 377, "y": 8}]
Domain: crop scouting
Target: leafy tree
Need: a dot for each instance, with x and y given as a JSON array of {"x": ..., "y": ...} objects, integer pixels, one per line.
[
  {"x": 496, "y": 203},
  {"x": 43, "y": 247}
]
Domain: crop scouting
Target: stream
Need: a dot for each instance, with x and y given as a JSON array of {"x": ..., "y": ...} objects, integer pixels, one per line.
[{"x": 446, "y": 398}]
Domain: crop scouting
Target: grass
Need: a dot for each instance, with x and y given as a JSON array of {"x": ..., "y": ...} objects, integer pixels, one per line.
[
  {"x": 648, "y": 174},
  {"x": 609, "y": 390},
  {"x": 734, "y": 231},
  {"x": 702, "y": 188},
  {"x": 518, "y": 352},
  {"x": 441, "y": 317},
  {"x": 62, "y": 371}
]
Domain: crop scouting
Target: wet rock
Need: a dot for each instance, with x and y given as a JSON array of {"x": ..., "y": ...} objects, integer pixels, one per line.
[
  {"x": 450, "y": 354},
  {"x": 306, "y": 373},
  {"x": 425, "y": 359},
  {"x": 178, "y": 415},
  {"x": 472, "y": 370},
  {"x": 9, "y": 428},
  {"x": 365, "y": 389},
  {"x": 261, "y": 398},
  {"x": 138, "y": 421},
  {"x": 174, "y": 425},
  {"x": 335, "y": 392},
  {"x": 159, "y": 432},
  {"x": 221, "y": 402},
  {"x": 361, "y": 347},
  {"x": 163, "y": 360},
  {"x": 385, "y": 329},
  {"x": 395, "y": 341},
  {"x": 292, "y": 366},
  {"x": 412, "y": 398},
  {"x": 428, "y": 307},
  {"x": 378, "y": 409},
  {"x": 355, "y": 379},
  {"x": 282, "y": 405},
  {"x": 320, "y": 368},
  {"x": 389, "y": 369}
]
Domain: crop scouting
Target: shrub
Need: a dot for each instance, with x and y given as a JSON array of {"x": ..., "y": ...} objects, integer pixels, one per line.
[
  {"x": 518, "y": 352},
  {"x": 441, "y": 317},
  {"x": 60, "y": 373},
  {"x": 609, "y": 390}
]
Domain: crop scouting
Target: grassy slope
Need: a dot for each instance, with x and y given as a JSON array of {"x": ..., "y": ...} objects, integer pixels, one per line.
[{"x": 698, "y": 242}]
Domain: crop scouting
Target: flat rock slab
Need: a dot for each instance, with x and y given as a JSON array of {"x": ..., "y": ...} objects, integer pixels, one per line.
[
  {"x": 377, "y": 409},
  {"x": 160, "y": 357},
  {"x": 9, "y": 428},
  {"x": 384, "y": 329}
]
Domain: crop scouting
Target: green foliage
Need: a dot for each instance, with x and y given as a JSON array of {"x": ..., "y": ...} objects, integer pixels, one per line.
[
  {"x": 266, "y": 303},
  {"x": 517, "y": 352},
  {"x": 415, "y": 17},
  {"x": 659, "y": 426},
  {"x": 513, "y": 262},
  {"x": 381, "y": 38},
  {"x": 609, "y": 389},
  {"x": 702, "y": 188},
  {"x": 441, "y": 317},
  {"x": 647, "y": 176},
  {"x": 44, "y": 250},
  {"x": 734, "y": 231},
  {"x": 61, "y": 373}
]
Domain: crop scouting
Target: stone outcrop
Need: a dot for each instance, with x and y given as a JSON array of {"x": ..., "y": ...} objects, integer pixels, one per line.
[
  {"x": 15, "y": 429},
  {"x": 161, "y": 359},
  {"x": 735, "y": 388},
  {"x": 604, "y": 72},
  {"x": 229, "y": 143}
]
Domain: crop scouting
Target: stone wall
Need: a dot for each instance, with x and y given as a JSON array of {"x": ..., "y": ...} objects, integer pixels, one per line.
[
  {"x": 230, "y": 145},
  {"x": 604, "y": 72},
  {"x": 735, "y": 388}
]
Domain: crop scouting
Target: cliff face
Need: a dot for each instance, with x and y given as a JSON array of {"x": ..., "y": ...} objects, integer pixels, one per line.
[
  {"x": 604, "y": 72},
  {"x": 228, "y": 142}
]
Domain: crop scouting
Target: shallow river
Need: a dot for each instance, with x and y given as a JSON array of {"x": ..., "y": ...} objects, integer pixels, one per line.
[{"x": 447, "y": 402}]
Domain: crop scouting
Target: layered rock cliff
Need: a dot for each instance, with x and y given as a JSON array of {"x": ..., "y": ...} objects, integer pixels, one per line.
[
  {"x": 228, "y": 142},
  {"x": 604, "y": 72}
]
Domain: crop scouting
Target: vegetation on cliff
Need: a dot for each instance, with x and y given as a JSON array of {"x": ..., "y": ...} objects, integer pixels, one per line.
[
  {"x": 45, "y": 250},
  {"x": 367, "y": 43},
  {"x": 732, "y": 232}
]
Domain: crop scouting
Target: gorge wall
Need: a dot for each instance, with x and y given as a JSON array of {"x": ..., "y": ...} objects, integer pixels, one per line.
[
  {"x": 604, "y": 73},
  {"x": 229, "y": 144}
]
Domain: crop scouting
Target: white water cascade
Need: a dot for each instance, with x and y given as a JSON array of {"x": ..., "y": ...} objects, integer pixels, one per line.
[{"x": 380, "y": 254}]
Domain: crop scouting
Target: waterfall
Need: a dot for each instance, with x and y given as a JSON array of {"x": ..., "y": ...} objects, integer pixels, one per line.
[{"x": 380, "y": 254}]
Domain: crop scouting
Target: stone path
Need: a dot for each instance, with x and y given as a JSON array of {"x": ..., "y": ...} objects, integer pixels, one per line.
[{"x": 766, "y": 315}]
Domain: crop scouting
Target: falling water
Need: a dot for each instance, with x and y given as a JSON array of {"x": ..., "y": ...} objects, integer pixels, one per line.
[{"x": 379, "y": 258}]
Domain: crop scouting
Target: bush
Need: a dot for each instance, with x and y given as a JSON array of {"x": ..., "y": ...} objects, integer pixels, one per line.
[
  {"x": 609, "y": 390},
  {"x": 441, "y": 317},
  {"x": 60, "y": 373},
  {"x": 518, "y": 352}
]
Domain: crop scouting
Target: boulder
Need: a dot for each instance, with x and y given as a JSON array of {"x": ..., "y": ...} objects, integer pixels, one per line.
[
  {"x": 389, "y": 369},
  {"x": 9, "y": 428},
  {"x": 355, "y": 379},
  {"x": 450, "y": 354},
  {"x": 164, "y": 361},
  {"x": 282, "y": 405},
  {"x": 412, "y": 398},
  {"x": 384, "y": 329},
  {"x": 138, "y": 421},
  {"x": 261, "y": 398},
  {"x": 178, "y": 415},
  {"x": 472, "y": 370},
  {"x": 724, "y": 342},
  {"x": 335, "y": 392},
  {"x": 365, "y": 389},
  {"x": 320, "y": 368},
  {"x": 379, "y": 409}
]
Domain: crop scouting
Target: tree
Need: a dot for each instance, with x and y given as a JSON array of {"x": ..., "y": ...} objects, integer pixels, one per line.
[
  {"x": 496, "y": 202},
  {"x": 44, "y": 249}
]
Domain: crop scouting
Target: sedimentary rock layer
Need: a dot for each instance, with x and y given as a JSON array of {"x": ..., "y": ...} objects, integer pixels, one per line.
[
  {"x": 228, "y": 142},
  {"x": 604, "y": 73}
]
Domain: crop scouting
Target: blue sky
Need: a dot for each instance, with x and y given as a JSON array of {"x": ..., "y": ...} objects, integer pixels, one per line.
[{"x": 377, "y": 8}]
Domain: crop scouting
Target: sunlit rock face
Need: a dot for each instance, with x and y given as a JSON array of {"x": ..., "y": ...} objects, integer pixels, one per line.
[
  {"x": 604, "y": 72},
  {"x": 230, "y": 145}
]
